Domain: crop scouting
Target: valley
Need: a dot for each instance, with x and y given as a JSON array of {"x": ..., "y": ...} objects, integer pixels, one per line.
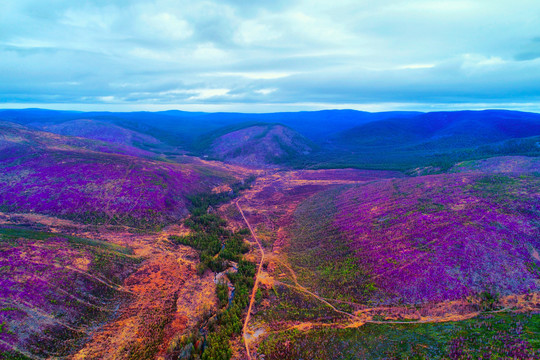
[
  {"x": 300, "y": 299},
  {"x": 120, "y": 239}
]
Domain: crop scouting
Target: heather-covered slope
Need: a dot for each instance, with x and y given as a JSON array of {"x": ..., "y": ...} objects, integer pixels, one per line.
[
  {"x": 259, "y": 145},
  {"x": 45, "y": 173},
  {"x": 423, "y": 239},
  {"x": 54, "y": 289},
  {"x": 21, "y": 139},
  {"x": 100, "y": 130},
  {"x": 502, "y": 164}
]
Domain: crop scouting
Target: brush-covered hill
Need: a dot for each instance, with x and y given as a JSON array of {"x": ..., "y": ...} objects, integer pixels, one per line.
[
  {"x": 257, "y": 144},
  {"x": 56, "y": 288},
  {"x": 24, "y": 139},
  {"x": 424, "y": 239},
  {"x": 345, "y": 138},
  {"x": 501, "y": 164},
  {"x": 104, "y": 131},
  {"x": 71, "y": 178},
  {"x": 183, "y": 129}
]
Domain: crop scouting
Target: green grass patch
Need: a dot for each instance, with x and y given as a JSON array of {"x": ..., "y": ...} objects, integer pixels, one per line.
[
  {"x": 486, "y": 337},
  {"x": 321, "y": 256},
  {"x": 288, "y": 304},
  {"x": 14, "y": 233}
]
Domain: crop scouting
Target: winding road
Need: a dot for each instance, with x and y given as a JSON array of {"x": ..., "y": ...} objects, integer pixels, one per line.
[
  {"x": 252, "y": 299},
  {"x": 354, "y": 318}
]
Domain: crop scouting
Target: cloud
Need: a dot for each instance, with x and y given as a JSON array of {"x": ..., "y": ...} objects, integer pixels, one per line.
[
  {"x": 530, "y": 51},
  {"x": 246, "y": 53}
]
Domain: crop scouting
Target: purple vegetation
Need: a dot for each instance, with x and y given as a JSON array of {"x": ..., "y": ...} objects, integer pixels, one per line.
[
  {"x": 260, "y": 145},
  {"x": 444, "y": 237},
  {"x": 500, "y": 164},
  {"x": 100, "y": 130},
  {"x": 94, "y": 187},
  {"x": 23, "y": 140},
  {"x": 55, "y": 286}
]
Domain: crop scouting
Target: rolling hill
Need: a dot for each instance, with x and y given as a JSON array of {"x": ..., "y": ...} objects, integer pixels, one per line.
[
  {"x": 343, "y": 138},
  {"x": 436, "y": 140},
  {"x": 260, "y": 145},
  {"x": 181, "y": 128},
  {"x": 98, "y": 258},
  {"x": 423, "y": 239},
  {"x": 103, "y": 131},
  {"x": 440, "y": 130},
  {"x": 95, "y": 182},
  {"x": 55, "y": 289}
]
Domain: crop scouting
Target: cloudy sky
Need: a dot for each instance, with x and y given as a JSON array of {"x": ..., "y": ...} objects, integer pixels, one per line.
[{"x": 270, "y": 55}]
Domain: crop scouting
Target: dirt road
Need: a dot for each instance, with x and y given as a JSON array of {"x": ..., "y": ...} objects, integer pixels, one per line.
[{"x": 252, "y": 299}]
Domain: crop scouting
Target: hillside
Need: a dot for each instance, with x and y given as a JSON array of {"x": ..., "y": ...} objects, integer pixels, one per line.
[
  {"x": 423, "y": 239},
  {"x": 70, "y": 178},
  {"x": 374, "y": 264},
  {"x": 24, "y": 139},
  {"x": 502, "y": 164},
  {"x": 258, "y": 145},
  {"x": 87, "y": 268},
  {"x": 181, "y": 128},
  {"x": 437, "y": 140},
  {"x": 99, "y": 130},
  {"x": 55, "y": 288},
  {"x": 344, "y": 138},
  {"x": 439, "y": 130},
  {"x": 112, "y": 239}
]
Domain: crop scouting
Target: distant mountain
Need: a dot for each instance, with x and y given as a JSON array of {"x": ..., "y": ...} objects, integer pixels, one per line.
[
  {"x": 180, "y": 127},
  {"x": 257, "y": 144},
  {"x": 439, "y": 130},
  {"x": 438, "y": 139},
  {"x": 343, "y": 138},
  {"x": 315, "y": 125}
]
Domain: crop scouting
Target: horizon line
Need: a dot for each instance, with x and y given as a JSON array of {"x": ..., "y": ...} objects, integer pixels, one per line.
[{"x": 272, "y": 108}]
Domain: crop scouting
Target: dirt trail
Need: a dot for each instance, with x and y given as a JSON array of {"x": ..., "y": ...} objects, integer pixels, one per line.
[
  {"x": 304, "y": 290},
  {"x": 21, "y": 351},
  {"x": 275, "y": 197},
  {"x": 166, "y": 299},
  {"x": 295, "y": 280},
  {"x": 252, "y": 298}
]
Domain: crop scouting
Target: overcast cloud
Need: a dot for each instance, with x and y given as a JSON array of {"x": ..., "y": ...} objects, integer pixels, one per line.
[{"x": 268, "y": 55}]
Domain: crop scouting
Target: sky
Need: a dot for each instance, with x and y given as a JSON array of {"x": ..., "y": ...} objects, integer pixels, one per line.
[{"x": 270, "y": 55}]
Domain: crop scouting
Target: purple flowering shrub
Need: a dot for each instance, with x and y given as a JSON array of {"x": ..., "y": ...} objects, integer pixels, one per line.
[
  {"x": 260, "y": 145},
  {"x": 444, "y": 237},
  {"x": 25, "y": 140},
  {"x": 100, "y": 130},
  {"x": 94, "y": 187},
  {"x": 54, "y": 288}
]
